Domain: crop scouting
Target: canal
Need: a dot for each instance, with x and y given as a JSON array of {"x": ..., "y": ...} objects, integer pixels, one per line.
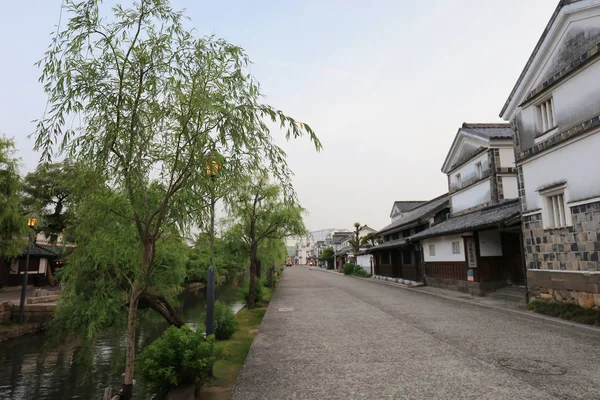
[{"x": 30, "y": 370}]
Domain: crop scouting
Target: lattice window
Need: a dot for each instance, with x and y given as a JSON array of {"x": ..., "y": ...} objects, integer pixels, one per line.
[
  {"x": 455, "y": 247},
  {"x": 545, "y": 115}
]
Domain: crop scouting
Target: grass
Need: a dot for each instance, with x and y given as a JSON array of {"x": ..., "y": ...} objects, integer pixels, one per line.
[
  {"x": 571, "y": 312},
  {"x": 231, "y": 354}
]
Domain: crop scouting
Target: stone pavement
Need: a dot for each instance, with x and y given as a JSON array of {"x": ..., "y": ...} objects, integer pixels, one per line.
[{"x": 327, "y": 336}]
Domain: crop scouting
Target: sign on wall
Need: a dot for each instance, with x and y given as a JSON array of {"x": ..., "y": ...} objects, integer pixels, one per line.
[{"x": 471, "y": 252}]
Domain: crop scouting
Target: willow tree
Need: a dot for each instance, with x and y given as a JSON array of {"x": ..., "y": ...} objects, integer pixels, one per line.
[
  {"x": 147, "y": 103},
  {"x": 261, "y": 212},
  {"x": 12, "y": 223}
]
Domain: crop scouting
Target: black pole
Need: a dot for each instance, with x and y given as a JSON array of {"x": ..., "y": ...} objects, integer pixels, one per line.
[
  {"x": 24, "y": 288},
  {"x": 210, "y": 289}
]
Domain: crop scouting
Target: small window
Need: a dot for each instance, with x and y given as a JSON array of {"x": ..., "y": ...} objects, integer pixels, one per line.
[
  {"x": 556, "y": 210},
  {"x": 458, "y": 181},
  {"x": 455, "y": 247},
  {"x": 432, "y": 249},
  {"x": 478, "y": 170},
  {"x": 545, "y": 115}
]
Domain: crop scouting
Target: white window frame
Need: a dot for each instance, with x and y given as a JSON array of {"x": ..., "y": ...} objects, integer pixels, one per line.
[
  {"x": 432, "y": 249},
  {"x": 555, "y": 211},
  {"x": 456, "y": 247},
  {"x": 545, "y": 115}
]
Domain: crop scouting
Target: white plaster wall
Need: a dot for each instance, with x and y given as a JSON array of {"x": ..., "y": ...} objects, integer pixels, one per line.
[
  {"x": 490, "y": 244},
  {"x": 507, "y": 157},
  {"x": 575, "y": 100},
  {"x": 473, "y": 196},
  {"x": 443, "y": 249},
  {"x": 510, "y": 187},
  {"x": 577, "y": 163},
  {"x": 364, "y": 260},
  {"x": 468, "y": 170}
]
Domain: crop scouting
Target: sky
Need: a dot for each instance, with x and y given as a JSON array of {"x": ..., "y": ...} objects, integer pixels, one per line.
[{"x": 384, "y": 84}]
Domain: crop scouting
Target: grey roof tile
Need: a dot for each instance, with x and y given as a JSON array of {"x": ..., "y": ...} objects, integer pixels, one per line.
[
  {"x": 488, "y": 131},
  {"x": 485, "y": 218},
  {"x": 388, "y": 245},
  {"x": 423, "y": 211}
]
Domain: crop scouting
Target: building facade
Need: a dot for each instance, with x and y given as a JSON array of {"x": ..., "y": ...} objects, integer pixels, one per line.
[
  {"x": 396, "y": 258},
  {"x": 477, "y": 248},
  {"x": 554, "y": 110}
]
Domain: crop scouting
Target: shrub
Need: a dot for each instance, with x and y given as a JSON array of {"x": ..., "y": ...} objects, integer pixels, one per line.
[
  {"x": 354, "y": 269},
  {"x": 348, "y": 269},
  {"x": 179, "y": 356},
  {"x": 225, "y": 322},
  {"x": 258, "y": 294},
  {"x": 572, "y": 312}
]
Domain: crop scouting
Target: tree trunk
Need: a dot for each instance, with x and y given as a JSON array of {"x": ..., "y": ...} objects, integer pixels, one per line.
[
  {"x": 253, "y": 267},
  {"x": 270, "y": 277},
  {"x": 162, "y": 306},
  {"x": 258, "y": 268},
  {"x": 130, "y": 354},
  {"x": 136, "y": 292}
]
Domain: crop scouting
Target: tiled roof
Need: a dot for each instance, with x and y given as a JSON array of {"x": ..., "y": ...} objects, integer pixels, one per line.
[
  {"x": 487, "y": 217},
  {"x": 423, "y": 211},
  {"x": 342, "y": 238},
  {"x": 388, "y": 245},
  {"x": 343, "y": 250},
  {"x": 405, "y": 206},
  {"x": 488, "y": 131}
]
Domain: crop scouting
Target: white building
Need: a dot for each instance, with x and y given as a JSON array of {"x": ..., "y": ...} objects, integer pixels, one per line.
[
  {"x": 477, "y": 248},
  {"x": 554, "y": 109}
]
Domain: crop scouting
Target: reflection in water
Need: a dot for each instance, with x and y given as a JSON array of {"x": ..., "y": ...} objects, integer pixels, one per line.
[{"x": 72, "y": 372}]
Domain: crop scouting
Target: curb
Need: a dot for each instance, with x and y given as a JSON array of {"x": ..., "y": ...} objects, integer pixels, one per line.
[{"x": 546, "y": 318}]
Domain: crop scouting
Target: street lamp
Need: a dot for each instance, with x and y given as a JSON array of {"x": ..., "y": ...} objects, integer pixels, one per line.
[
  {"x": 31, "y": 222},
  {"x": 211, "y": 168}
]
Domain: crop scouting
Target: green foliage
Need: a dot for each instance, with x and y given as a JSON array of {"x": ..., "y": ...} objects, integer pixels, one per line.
[
  {"x": 272, "y": 252},
  {"x": 258, "y": 292},
  {"x": 327, "y": 255},
  {"x": 370, "y": 239},
  {"x": 180, "y": 356},
  {"x": 354, "y": 269},
  {"x": 225, "y": 322},
  {"x": 12, "y": 223},
  {"x": 46, "y": 195},
  {"x": 571, "y": 312},
  {"x": 97, "y": 276},
  {"x": 261, "y": 215},
  {"x": 355, "y": 242},
  {"x": 155, "y": 105},
  {"x": 228, "y": 260}
]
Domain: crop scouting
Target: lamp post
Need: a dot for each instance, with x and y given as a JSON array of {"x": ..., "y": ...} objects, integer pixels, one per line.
[
  {"x": 212, "y": 167},
  {"x": 30, "y": 223}
]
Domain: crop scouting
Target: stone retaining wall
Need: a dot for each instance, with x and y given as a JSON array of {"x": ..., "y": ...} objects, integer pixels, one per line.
[
  {"x": 562, "y": 263},
  {"x": 34, "y": 312},
  {"x": 474, "y": 288},
  {"x": 5, "y": 311}
]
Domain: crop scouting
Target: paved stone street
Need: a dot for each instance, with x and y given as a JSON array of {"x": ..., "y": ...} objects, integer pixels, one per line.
[{"x": 347, "y": 338}]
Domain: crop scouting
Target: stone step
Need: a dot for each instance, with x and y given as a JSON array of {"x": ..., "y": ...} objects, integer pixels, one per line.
[
  {"x": 516, "y": 290},
  {"x": 509, "y": 296}
]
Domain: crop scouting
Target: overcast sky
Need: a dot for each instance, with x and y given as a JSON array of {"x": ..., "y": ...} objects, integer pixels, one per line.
[{"x": 385, "y": 85}]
